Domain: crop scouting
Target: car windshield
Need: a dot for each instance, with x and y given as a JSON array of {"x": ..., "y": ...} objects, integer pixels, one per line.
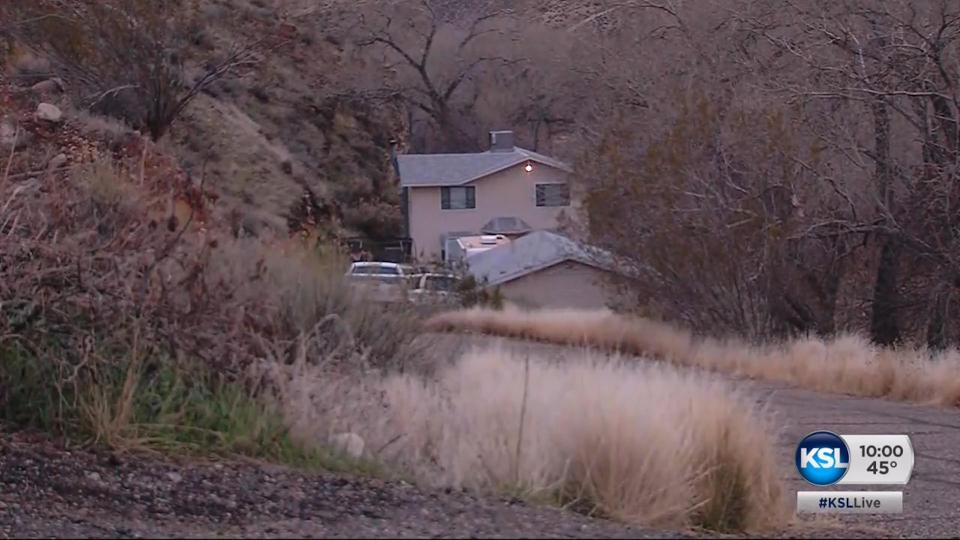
[{"x": 376, "y": 269}]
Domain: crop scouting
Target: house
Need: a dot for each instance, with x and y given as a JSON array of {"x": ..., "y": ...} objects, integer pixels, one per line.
[
  {"x": 546, "y": 270},
  {"x": 505, "y": 190}
]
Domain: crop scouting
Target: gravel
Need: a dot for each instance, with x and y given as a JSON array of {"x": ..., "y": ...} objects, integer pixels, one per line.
[{"x": 50, "y": 492}]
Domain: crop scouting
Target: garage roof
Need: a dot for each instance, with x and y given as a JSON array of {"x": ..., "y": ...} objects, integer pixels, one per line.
[{"x": 535, "y": 251}]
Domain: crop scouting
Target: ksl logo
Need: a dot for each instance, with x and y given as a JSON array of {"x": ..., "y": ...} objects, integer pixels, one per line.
[
  {"x": 822, "y": 458},
  {"x": 825, "y": 458}
]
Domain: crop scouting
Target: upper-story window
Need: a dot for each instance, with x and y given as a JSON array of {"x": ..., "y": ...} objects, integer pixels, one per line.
[
  {"x": 458, "y": 198},
  {"x": 553, "y": 195}
]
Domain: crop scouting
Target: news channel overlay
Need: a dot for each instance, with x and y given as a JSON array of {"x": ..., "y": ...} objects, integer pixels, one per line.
[{"x": 824, "y": 459}]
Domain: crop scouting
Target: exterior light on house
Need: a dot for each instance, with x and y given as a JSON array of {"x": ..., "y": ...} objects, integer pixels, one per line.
[{"x": 529, "y": 167}]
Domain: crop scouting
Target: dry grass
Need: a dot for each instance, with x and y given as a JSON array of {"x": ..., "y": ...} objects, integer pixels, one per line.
[
  {"x": 845, "y": 364},
  {"x": 125, "y": 326},
  {"x": 645, "y": 445}
]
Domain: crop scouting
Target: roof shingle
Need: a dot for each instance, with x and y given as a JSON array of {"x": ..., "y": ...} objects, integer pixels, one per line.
[
  {"x": 425, "y": 170},
  {"x": 533, "y": 252}
]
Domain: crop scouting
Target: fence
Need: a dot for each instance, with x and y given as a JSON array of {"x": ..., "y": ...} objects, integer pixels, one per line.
[{"x": 395, "y": 250}]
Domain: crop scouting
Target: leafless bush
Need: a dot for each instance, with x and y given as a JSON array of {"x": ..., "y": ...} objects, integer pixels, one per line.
[{"x": 128, "y": 59}]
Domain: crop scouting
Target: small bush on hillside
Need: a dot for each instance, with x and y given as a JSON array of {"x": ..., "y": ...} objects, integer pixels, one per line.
[{"x": 127, "y": 59}]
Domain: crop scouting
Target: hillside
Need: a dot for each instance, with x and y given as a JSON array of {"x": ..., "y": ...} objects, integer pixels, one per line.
[{"x": 272, "y": 132}]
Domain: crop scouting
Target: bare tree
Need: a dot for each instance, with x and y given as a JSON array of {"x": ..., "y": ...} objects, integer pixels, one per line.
[
  {"x": 435, "y": 50},
  {"x": 893, "y": 63}
]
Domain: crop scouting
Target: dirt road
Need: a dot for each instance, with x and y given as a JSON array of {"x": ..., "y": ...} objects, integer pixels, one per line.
[{"x": 932, "y": 497}]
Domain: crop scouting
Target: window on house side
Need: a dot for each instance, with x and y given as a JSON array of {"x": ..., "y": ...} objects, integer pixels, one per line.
[
  {"x": 458, "y": 198},
  {"x": 553, "y": 195}
]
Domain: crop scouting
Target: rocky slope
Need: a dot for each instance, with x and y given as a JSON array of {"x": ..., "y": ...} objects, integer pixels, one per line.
[{"x": 269, "y": 134}]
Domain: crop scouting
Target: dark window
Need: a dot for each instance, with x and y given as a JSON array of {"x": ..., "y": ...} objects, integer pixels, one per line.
[
  {"x": 553, "y": 195},
  {"x": 458, "y": 198}
]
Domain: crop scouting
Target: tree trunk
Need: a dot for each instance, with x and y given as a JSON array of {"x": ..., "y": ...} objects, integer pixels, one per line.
[
  {"x": 937, "y": 327},
  {"x": 884, "y": 326},
  {"x": 829, "y": 290}
]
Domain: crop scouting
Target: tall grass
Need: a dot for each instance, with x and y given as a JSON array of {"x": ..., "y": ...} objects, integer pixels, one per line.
[
  {"x": 645, "y": 445},
  {"x": 844, "y": 364},
  {"x": 120, "y": 331}
]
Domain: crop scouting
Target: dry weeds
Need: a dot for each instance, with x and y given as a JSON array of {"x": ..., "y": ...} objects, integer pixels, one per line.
[
  {"x": 846, "y": 364},
  {"x": 642, "y": 444}
]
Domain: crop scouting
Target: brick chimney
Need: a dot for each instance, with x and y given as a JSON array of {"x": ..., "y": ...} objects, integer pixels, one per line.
[{"x": 501, "y": 141}]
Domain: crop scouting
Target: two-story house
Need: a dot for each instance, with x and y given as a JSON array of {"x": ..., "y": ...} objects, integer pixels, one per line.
[{"x": 505, "y": 190}]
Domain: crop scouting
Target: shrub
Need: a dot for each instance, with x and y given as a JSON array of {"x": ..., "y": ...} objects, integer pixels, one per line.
[
  {"x": 127, "y": 58},
  {"x": 646, "y": 445},
  {"x": 474, "y": 293}
]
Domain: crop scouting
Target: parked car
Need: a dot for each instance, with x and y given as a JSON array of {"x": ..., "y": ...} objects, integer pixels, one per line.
[
  {"x": 379, "y": 271},
  {"x": 384, "y": 281},
  {"x": 431, "y": 287}
]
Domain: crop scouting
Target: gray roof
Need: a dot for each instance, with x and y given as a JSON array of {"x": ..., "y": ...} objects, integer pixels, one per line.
[
  {"x": 425, "y": 170},
  {"x": 535, "y": 251}
]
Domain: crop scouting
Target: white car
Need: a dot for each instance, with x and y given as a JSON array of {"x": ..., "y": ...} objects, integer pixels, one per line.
[
  {"x": 381, "y": 271},
  {"x": 431, "y": 287},
  {"x": 383, "y": 280}
]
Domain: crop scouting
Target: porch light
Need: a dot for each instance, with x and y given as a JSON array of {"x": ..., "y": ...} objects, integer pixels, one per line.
[{"x": 529, "y": 167}]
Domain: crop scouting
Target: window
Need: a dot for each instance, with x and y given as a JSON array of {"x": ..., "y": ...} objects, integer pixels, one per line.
[
  {"x": 553, "y": 195},
  {"x": 389, "y": 270},
  {"x": 458, "y": 198}
]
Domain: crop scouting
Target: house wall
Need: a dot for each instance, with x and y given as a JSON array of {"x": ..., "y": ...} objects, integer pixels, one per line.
[
  {"x": 565, "y": 285},
  {"x": 511, "y": 192}
]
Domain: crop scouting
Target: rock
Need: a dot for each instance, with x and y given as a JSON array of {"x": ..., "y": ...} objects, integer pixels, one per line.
[
  {"x": 9, "y": 135},
  {"x": 50, "y": 113},
  {"x": 175, "y": 477},
  {"x": 94, "y": 476},
  {"x": 58, "y": 161},
  {"x": 349, "y": 443},
  {"x": 49, "y": 86}
]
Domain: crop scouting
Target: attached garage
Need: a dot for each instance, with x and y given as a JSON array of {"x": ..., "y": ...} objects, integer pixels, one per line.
[{"x": 547, "y": 270}]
